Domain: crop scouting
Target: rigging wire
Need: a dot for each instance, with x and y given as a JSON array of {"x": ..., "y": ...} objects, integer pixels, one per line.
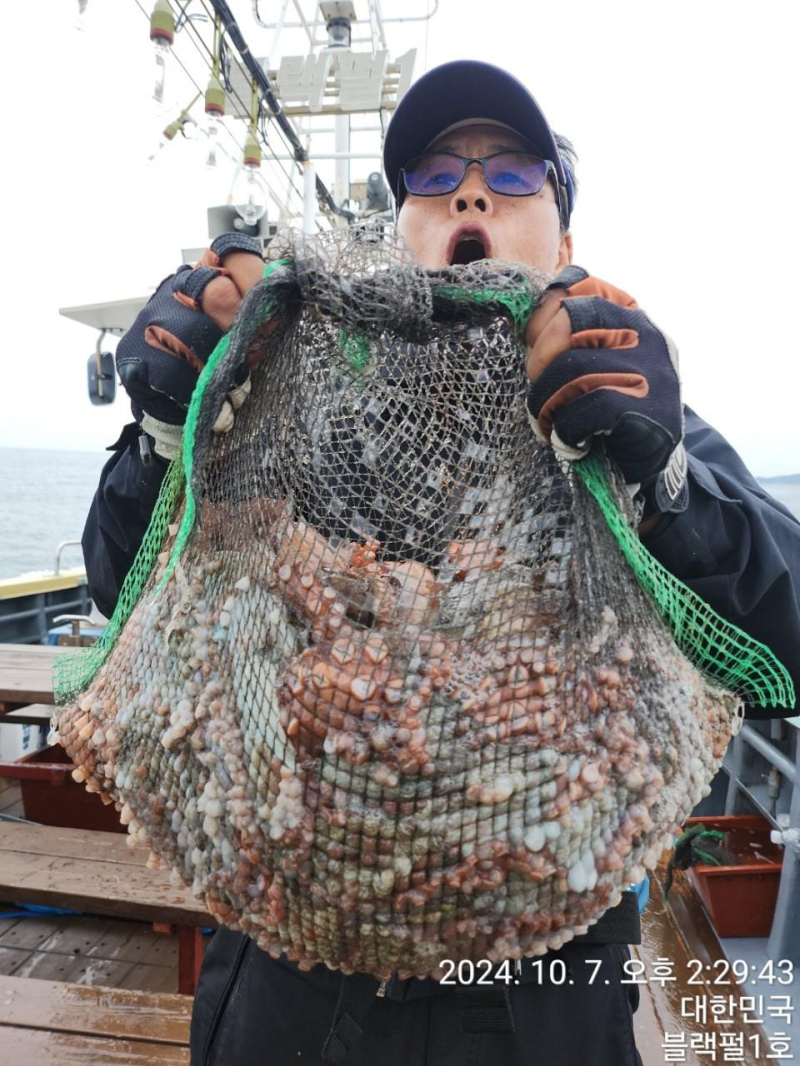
[
  {"x": 291, "y": 187},
  {"x": 301, "y": 155},
  {"x": 281, "y": 200},
  {"x": 183, "y": 18},
  {"x": 253, "y": 72},
  {"x": 259, "y": 77},
  {"x": 244, "y": 107}
]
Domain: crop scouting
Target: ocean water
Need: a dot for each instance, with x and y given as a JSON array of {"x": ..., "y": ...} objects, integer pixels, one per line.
[
  {"x": 44, "y": 499},
  {"x": 787, "y": 492},
  {"x": 45, "y": 496}
]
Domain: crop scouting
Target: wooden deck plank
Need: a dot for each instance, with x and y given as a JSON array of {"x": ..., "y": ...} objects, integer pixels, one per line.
[
  {"x": 67, "y": 842},
  {"x": 12, "y": 958},
  {"x": 10, "y": 797},
  {"x": 76, "y": 937},
  {"x": 98, "y": 887},
  {"x": 7, "y": 783},
  {"x": 51, "y": 966},
  {"x": 156, "y": 1017},
  {"x": 153, "y": 978},
  {"x": 71, "y": 1049},
  {"x": 26, "y": 672},
  {"x": 31, "y": 714},
  {"x": 125, "y": 954},
  {"x": 163, "y": 951},
  {"x": 104, "y": 972},
  {"x": 124, "y": 941},
  {"x": 30, "y": 932},
  {"x": 34, "y": 868}
]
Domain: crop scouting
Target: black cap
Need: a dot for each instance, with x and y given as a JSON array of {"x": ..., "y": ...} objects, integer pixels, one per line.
[{"x": 469, "y": 89}]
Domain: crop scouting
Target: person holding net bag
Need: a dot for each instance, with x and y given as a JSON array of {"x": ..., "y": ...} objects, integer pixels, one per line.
[{"x": 478, "y": 175}]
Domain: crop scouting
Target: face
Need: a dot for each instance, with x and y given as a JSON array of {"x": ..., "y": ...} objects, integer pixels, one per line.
[{"x": 523, "y": 229}]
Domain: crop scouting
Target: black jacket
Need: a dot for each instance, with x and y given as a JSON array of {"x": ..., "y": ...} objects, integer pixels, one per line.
[{"x": 734, "y": 546}]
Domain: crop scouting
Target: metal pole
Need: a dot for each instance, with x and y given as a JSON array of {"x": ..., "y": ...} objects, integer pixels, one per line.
[
  {"x": 341, "y": 185},
  {"x": 756, "y": 740},
  {"x": 376, "y": 30},
  {"x": 273, "y": 48},
  {"x": 309, "y": 199},
  {"x": 98, "y": 357},
  {"x": 784, "y": 937},
  {"x": 309, "y": 33},
  {"x": 734, "y": 768}
]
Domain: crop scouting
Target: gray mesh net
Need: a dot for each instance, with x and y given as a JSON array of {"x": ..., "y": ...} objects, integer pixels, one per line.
[{"x": 390, "y": 693}]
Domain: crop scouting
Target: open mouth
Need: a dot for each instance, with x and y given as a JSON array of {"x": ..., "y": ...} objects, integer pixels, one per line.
[
  {"x": 469, "y": 246},
  {"x": 470, "y": 250}
]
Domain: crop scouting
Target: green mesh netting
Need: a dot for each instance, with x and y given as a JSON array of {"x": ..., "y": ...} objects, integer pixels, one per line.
[
  {"x": 73, "y": 672},
  {"x": 718, "y": 648},
  {"x": 355, "y": 348},
  {"x": 517, "y": 304}
]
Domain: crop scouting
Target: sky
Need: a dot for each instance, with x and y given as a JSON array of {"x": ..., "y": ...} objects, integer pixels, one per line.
[{"x": 683, "y": 117}]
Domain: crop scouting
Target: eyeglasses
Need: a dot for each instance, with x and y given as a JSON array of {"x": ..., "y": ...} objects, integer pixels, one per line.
[{"x": 507, "y": 173}]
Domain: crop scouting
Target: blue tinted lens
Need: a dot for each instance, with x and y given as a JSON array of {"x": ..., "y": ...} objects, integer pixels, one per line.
[
  {"x": 515, "y": 173},
  {"x": 429, "y": 175}
]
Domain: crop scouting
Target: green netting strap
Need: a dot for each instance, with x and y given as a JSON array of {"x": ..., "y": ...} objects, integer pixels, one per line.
[
  {"x": 518, "y": 303},
  {"x": 74, "y": 671},
  {"x": 718, "y": 648}
]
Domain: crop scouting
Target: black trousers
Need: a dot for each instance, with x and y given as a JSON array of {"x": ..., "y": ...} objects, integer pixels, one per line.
[{"x": 251, "y": 1010}]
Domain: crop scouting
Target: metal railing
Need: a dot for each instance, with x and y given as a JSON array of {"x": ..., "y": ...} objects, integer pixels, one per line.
[
  {"x": 763, "y": 764},
  {"x": 64, "y": 544}
]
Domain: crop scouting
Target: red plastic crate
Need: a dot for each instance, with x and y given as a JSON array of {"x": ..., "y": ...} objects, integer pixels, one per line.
[
  {"x": 740, "y": 900},
  {"x": 51, "y": 796}
]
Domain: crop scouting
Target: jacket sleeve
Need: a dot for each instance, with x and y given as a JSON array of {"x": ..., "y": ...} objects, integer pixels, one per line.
[
  {"x": 119, "y": 515},
  {"x": 737, "y": 548}
]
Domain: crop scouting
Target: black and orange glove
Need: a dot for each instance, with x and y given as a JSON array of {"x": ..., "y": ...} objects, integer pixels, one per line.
[
  {"x": 598, "y": 366},
  {"x": 161, "y": 355}
]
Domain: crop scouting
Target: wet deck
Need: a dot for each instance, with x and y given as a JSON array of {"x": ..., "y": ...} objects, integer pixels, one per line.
[
  {"x": 668, "y": 1021},
  {"x": 89, "y": 950}
]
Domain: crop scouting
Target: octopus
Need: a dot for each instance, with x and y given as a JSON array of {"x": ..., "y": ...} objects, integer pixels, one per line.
[{"x": 376, "y": 764}]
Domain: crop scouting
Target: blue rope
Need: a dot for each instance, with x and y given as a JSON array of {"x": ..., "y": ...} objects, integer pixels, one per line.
[{"x": 31, "y": 910}]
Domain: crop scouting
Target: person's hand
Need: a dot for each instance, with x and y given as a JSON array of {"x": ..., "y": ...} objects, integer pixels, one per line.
[
  {"x": 598, "y": 366},
  {"x": 161, "y": 355}
]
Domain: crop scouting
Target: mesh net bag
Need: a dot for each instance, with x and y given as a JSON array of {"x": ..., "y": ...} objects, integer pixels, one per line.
[{"x": 387, "y": 685}]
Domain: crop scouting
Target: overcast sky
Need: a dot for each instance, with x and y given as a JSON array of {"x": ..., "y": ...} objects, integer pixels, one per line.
[{"x": 683, "y": 116}]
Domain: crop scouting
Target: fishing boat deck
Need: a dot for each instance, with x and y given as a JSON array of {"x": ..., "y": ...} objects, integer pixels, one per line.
[{"x": 90, "y": 950}]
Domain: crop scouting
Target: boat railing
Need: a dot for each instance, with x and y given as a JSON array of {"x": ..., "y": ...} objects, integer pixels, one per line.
[
  {"x": 62, "y": 545},
  {"x": 763, "y": 764}
]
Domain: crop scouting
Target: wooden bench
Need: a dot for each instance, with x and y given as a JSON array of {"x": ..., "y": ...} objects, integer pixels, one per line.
[
  {"x": 30, "y": 714},
  {"x": 50, "y": 1024},
  {"x": 26, "y": 674},
  {"x": 98, "y": 873}
]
